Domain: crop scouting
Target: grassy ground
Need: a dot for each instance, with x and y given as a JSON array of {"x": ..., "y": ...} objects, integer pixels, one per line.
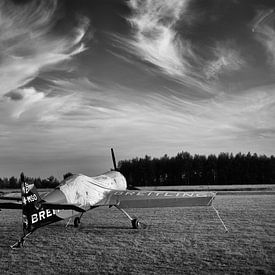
[{"x": 177, "y": 241}]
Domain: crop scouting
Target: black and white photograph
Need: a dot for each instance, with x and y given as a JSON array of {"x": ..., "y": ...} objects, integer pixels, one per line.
[{"x": 137, "y": 137}]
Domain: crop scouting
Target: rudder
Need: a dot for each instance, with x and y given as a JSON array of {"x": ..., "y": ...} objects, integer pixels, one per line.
[{"x": 33, "y": 213}]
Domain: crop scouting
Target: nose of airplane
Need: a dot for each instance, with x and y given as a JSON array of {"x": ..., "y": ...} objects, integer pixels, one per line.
[{"x": 55, "y": 196}]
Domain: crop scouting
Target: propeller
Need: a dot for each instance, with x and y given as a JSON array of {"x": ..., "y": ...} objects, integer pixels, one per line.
[
  {"x": 129, "y": 187},
  {"x": 114, "y": 159}
]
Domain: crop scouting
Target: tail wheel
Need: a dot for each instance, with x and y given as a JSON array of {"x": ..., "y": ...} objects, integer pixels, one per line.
[
  {"x": 136, "y": 224},
  {"x": 76, "y": 222}
]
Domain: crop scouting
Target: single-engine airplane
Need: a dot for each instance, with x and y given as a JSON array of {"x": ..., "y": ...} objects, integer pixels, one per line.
[{"x": 79, "y": 193}]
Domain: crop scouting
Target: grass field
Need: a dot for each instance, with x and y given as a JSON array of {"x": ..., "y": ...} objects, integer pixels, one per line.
[{"x": 177, "y": 241}]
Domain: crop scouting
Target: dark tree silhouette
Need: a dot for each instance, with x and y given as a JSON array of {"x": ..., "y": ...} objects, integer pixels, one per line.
[{"x": 185, "y": 169}]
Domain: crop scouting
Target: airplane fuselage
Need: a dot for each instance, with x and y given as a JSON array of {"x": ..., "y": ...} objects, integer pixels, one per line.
[{"x": 83, "y": 191}]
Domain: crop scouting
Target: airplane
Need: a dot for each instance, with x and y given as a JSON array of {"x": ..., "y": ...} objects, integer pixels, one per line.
[{"x": 78, "y": 194}]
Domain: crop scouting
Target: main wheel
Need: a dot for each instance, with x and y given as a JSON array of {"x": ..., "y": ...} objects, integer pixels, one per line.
[
  {"x": 136, "y": 224},
  {"x": 76, "y": 222}
]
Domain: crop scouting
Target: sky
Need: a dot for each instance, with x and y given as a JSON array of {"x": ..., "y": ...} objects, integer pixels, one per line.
[{"x": 146, "y": 77}]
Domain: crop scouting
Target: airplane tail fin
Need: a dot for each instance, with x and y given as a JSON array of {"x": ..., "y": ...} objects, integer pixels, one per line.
[
  {"x": 33, "y": 213},
  {"x": 30, "y": 204}
]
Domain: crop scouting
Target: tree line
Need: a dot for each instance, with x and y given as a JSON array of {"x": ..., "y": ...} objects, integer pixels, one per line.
[
  {"x": 185, "y": 169},
  {"x": 182, "y": 169},
  {"x": 14, "y": 183}
]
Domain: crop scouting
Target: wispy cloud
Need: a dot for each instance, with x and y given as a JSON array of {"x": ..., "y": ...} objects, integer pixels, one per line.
[
  {"x": 226, "y": 59},
  {"x": 31, "y": 106},
  {"x": 264, "y": 29},
  {"x": 95, "y": 118},
  {"x": 241, "y": 121},
  {"x": 182, "y": 103},
  {"x": 156, "y": 38},
  {"x": 107, "y": 116},
  {"x": 28, "y": 43}
]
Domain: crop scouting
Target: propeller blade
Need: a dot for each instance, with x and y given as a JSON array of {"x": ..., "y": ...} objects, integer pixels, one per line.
[{"x": 114, "y": 159}]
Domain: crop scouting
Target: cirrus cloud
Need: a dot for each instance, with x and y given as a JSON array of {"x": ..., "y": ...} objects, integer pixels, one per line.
[
  {"x": 226, "y": 59},
  {"x": 156, "y": 38},
  {"x": 28, "y": 43},
  {"x": 264, "y": 29}
]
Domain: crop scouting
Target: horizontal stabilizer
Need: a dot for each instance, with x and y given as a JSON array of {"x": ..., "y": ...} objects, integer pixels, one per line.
[
  {"x": 10, "y": 198},
  {"x": 10, "y": 205}
]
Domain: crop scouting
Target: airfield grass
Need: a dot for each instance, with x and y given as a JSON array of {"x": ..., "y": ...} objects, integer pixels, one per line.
[{"x": 176, "y": 241}]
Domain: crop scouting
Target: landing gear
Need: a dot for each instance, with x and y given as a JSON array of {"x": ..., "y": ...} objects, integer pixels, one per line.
[
  {"x": 136, "y": 224},
  {"x": 77, "y": 220},
  {"x": 20, "y": 242}
]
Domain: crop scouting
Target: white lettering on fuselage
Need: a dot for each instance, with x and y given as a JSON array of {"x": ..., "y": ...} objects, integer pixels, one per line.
[
  {"x": 42, "y": 215},
  {"x": 31, "y": 198},
  {"x": 130, "y": 193},
  {"x": 162, "y": 194},
  {"x": 27, "y": 188}
]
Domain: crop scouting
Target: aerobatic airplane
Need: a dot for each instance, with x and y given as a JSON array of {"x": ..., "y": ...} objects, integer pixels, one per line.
[{"x": 79, "y": 193}]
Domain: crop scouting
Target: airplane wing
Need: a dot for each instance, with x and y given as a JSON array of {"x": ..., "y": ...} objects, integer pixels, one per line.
[
  {"x": 10, "y": 203},
  {"x": 152, "y": 199},
  {"x": 11, "y": 196},
  {"x": 16, "y": 203},
  {"x": 17, "y": 195},
  {"x": 128, "y": 199}
]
